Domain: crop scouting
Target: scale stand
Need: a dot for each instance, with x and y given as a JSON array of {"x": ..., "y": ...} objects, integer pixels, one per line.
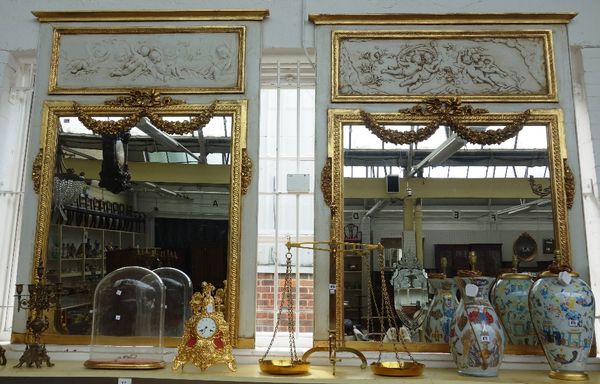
[{"x": 333, "y": 349}]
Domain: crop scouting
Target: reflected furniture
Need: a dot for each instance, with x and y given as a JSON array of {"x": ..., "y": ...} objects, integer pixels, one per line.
[
  {"x": 150, "y": 258},
  {"x": 489, "y": 257}
]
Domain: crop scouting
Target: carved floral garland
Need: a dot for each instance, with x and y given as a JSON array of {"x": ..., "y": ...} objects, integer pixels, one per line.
[
  {"x": 326, "y": 183},
  {"x": 448, "y": 113},
  {"x": 395, "y": 137},
  {"x": 569, "y": 184},
  {"x": 246, "y": 171},
  {"x": 145, "y": 101}
]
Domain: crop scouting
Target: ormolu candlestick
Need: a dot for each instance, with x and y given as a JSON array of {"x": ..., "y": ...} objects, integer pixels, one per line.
[{"x": 41, "y": 297}]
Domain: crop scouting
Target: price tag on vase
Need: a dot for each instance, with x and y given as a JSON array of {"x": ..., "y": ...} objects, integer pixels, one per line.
[
  {"x": 564, "y": 278},
  {"x": 471, "y": 290}
]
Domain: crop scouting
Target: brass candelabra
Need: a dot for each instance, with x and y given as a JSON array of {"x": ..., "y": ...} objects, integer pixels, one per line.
[{"x": 41, "y": 296}]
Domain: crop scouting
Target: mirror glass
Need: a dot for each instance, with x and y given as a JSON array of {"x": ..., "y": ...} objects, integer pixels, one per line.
[
  {"x": 430, "y": 204},
  {"x": 145, "y": 198}
]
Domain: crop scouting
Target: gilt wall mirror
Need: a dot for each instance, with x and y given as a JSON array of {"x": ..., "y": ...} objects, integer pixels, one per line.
[
  {"x": 159, "y": 188},
  {"x": 444, "y": 197},
  {"x": 525, "y": 247}
]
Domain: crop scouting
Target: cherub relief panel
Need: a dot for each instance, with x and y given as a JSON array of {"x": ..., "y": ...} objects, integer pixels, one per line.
[
  {"x": 396, "y": 66},
  {"x": 209, "y": 59}
]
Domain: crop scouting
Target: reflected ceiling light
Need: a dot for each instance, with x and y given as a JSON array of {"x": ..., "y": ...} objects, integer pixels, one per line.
[
  {"x": 146, "y": 126},
  {"x": 519, "y": 209},
  {"x": 440, "y": 154},
  {"x": 523, "y": 206},
  {"x": 378, "y": 206},
  {"x": 165, "y": 190},
  {"x": 79, "y": 153}
]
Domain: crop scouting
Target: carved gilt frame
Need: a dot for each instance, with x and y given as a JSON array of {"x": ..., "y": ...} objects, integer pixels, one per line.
[
  {"x": 55, "y": 85},
  {"x": 547, "y": 93},
  {"x": 332, "y": 186},
  {"x": 241, "y": 171}
]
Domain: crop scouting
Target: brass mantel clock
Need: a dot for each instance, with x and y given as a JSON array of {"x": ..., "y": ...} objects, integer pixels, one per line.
[{"x": 205, "y": 339}]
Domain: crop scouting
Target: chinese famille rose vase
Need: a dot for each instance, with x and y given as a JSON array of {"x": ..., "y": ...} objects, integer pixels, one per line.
[
  {"x": 509, "y": 297},
  {"x": 440, "y": 313},
  {"x": 477, "y": 340},
  {"x": 562, "y": 311}
]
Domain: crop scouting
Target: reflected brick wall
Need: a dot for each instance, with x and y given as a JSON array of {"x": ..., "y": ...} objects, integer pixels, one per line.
[{"x": 266, "y": 307}]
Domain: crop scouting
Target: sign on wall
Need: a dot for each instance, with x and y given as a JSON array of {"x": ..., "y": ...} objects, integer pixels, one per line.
[
  {"x": 403, "y": 66},
  {"x": 198, "y": 59}
]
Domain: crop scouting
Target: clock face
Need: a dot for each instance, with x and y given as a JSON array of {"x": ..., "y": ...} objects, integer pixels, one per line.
[
  {"x": 206, "y": 327},
  {"x": 119, "y": 153}
]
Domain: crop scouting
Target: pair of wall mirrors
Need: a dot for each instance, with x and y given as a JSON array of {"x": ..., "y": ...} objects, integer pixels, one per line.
[{"x": 173, "y": 164}]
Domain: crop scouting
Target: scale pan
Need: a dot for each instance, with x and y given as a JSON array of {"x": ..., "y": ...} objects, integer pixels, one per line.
[
  {"x": 284, "y": 367},
  {"x": 397, "y": 368}
]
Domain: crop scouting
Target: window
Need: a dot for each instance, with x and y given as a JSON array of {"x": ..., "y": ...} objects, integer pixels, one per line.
[{"x": 286, "y": 149}]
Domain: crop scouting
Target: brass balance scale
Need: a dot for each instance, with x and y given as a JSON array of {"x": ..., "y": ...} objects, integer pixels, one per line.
[{"x": 295, "y": 366}]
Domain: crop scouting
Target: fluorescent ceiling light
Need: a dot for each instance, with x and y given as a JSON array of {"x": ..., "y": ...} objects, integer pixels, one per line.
[
  {"x": 378, "y": 206},
  {"x": 523, "y": 207},
  {"x": 519, "y": 209},
  {"x": 542, "y": 202},
  {"x": 146, "y": 126},
  {"x": 159, "y": 189},
  {"x": 440, "y": 154},
  {"x": 78, "y": 153}
]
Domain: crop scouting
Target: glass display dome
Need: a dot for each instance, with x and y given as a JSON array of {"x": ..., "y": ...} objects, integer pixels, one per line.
[
  {"x": 128, "y": 321},
  {"x": 178, "y": 295}
]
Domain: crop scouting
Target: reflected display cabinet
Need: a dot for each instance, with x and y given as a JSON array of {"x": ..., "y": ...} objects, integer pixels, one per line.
[{"x": 77, "y": 254}]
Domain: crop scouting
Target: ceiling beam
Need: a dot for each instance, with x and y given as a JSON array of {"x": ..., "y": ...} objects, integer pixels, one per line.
[
  {"x": 160, "y": 172},
  {"x": 144, "y": 143},
  {"x": 470, "y": 157},
  {"x": 442, "y": 188}
]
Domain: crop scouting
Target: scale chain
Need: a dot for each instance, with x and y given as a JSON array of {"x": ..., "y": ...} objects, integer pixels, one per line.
[
  {"x": 388, "y": 310},
  {"x": 286, "y": 297}
]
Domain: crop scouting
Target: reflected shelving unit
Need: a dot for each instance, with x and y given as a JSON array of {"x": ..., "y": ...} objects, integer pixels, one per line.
[
  {"x": 77, "y": 252},
  {"x": 353, "y": 287},
  {"x": 355, "y": 267},
  {"x": 77, "y": 259}
]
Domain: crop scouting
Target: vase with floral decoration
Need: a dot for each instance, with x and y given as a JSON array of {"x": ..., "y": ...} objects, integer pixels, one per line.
[
  {"x": 477, "y": 340},
  {"x": 510, "y": 299},
  {"x": 562, "y": 311},
  {"x": 442, "y": 307}
]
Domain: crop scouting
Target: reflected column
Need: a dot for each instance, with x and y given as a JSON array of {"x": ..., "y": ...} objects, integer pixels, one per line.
[
  {"x": 418, "y": 227},
  {"x": 408, "y": 224}
]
